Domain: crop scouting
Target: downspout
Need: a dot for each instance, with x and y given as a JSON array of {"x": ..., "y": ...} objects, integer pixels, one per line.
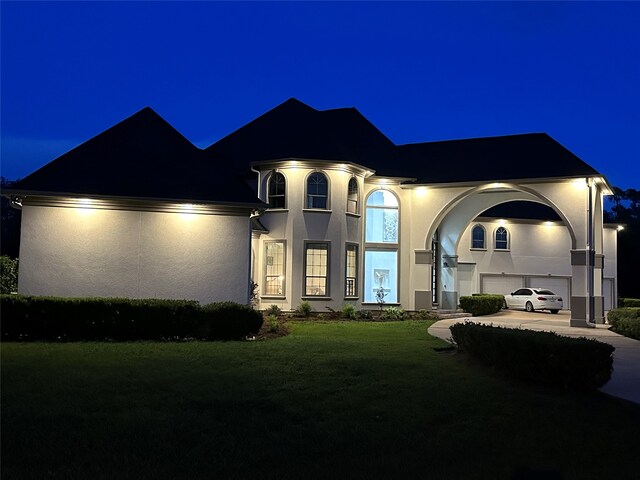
[{"x": 590, "y": 269}]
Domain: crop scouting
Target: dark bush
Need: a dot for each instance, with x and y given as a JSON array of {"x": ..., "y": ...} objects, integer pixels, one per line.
[
  {"x": 625, "y": 321},
  {"x": 629, "y": 302},
  {"x": 542, "y": 357},
  {"x": 483, "y": 304},
  {"x": 75, "y": 319},
  {"x": 8, "y": 274},
  {"x": 229, "y": 321}
]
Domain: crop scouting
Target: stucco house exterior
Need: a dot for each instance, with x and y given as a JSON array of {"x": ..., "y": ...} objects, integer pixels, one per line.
[{"x": 317, "y": 206}]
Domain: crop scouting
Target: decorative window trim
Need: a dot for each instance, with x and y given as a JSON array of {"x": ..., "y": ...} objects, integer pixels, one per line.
[
  {"x": 284, "y": 269},
  {"x": 350, "y": 201},
  {"x": 351, "y": 291},
  {"x": 284, "y": 195},
  {"x": 306, "y": 206},
  {"x": 327, "y": 275},
  {"x": 484, "y": 237},
  {"x": 507, "y": 241}
]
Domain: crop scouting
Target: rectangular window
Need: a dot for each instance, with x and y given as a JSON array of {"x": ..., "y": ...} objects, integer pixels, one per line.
[
  {"x": 351, "y": 274},
  {"x": 316, "y": 269},
  {"x": 275, "y": 255},
  {"x": 381, "y": 275}
]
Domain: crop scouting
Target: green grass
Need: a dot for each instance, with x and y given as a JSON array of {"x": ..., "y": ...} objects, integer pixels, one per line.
[{"x": 331, "y": 400}]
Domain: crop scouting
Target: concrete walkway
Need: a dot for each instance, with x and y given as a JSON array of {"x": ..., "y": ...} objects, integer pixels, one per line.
[{"x": 625, "y": 379}]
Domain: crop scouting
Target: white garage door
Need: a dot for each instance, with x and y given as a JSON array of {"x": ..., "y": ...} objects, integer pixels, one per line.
[
  {"x": 607, "y": 293},
  {"x": 557, "y": 285},
  {"x": 501, "y": 284}
]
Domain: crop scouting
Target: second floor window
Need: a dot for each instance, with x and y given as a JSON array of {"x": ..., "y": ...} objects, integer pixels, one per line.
[
  {"x": 277, "y": 189},
  {"x": 502, "y": 239},
  {"x": 317, "y": 191},
  {"x": 352, "y": 196},
  {"x": 477, "y": 237}
]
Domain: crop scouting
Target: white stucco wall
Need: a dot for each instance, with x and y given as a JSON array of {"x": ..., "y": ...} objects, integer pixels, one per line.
[{"x": 79, "y": 252}]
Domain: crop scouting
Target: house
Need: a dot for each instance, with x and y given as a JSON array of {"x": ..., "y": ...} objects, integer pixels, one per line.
[{"x": 317, "y": 206}]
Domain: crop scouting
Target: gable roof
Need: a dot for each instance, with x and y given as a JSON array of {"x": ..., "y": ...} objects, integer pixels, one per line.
[
  {"x": 140, "y": 157},
  {"x": 295, "y": 130}
]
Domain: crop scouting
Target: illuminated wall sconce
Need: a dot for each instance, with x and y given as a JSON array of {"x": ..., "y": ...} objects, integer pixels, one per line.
[{"x": 620, "y": 227}]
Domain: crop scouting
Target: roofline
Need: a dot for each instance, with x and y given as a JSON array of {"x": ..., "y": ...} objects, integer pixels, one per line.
[
  {"x": 475, "y": 183},
  {"x": 314, "y": 162},
  {"x": 108, "y": 202}
]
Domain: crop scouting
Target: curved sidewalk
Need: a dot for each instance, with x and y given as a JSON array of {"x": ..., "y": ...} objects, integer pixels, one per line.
[{"x": 625, "y": 379}]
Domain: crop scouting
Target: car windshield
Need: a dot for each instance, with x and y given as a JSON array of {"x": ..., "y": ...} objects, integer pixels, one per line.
[{"x": 544, "y": 292}]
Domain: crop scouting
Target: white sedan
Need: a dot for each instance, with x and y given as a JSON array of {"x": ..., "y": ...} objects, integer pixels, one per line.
[{"x": 532, "y": 299}]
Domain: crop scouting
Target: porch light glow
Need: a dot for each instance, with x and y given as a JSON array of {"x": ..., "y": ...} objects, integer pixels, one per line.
[
  {"x": 501, "y": 221},
  {"x": 548, "y": 223},
  {"x": 579, "y": 183},
  {"x": 620, "y": 227},
  {"x": 421, "y": 191}
]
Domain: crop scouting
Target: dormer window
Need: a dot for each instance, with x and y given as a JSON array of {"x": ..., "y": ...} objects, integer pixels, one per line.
[
  {"x": 317, "y": 191},
  {"x": 277, "y": 190},
  {"x": 352, "y": 196}
]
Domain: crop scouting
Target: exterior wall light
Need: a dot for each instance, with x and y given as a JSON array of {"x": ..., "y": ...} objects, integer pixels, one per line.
[{"x": 620, "y": 227}]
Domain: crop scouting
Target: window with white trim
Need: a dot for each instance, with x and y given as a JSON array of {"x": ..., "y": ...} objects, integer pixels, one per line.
[
  {"x": 502, "y": 239},
  {"x": 352, "y": 196},
  {"x": 277, "y": 190},
  {"x": 351, "y": 271},
  {"x": 381, "y": 247},
  {"x": 274, "y": 270},
  {"x": 317, "y": 191},
  {"x": 478, "y": 236},
  {"x": 316, "y": 269}
]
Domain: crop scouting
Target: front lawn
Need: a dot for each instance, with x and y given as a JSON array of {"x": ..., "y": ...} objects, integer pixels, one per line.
[{"x": 331, "y": 400}]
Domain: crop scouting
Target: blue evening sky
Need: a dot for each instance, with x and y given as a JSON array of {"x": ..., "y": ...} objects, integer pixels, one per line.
[{"x": 420, "y": 71}]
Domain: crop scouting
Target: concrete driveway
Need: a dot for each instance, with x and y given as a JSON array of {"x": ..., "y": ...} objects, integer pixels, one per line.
[{"x": 625, "y": 379}]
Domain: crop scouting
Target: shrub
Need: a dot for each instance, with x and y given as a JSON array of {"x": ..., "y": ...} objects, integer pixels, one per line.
[
  {"x": 392, "y": 314},
  {"x": 121, "y": 319},
  {"x": 482, "y": 304},
  {"x": 364, "y": 315},
  {"x": 542, "y": 357},
  {"x": 426, "y": 315},
  {"x": 229, "y": 321},
  {"x": 8, "y": 274},
  {"x": 625, "y": 321},
  {"x": 273, "y": 323},
  {"x": 348, "y": 311},
  {"x": 304, "y": 309},
  {"x": 629, "y": 302},
  {"x": 273, "y": 310}
]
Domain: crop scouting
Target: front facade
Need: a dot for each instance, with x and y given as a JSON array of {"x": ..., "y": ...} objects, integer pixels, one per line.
[{"x": 342, "y": 215}]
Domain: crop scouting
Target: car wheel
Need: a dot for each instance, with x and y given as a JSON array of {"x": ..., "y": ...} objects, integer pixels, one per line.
[
  {"x": 529, "y": 307},
  {"x": 554, "y": 311},
  {"x": 504, "y": 305}
]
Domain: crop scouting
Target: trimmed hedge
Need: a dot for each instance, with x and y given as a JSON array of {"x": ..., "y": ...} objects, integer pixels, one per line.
[
  {"x": 625, "y": 321},
  {"x": 482, "y": 304},
  {"x": 542, "y": 357},
  {"x": 8, "y": 274},
  {"x": 629, "y": 302},
  {"x": 27, "y": 318}
]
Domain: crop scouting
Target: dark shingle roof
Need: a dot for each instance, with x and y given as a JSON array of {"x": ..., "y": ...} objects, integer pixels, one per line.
[
  {"x": 522, "y": 210},
  {"x": 295, "y": 130},
  {"x": 141, "y": 157},
  {"x": 512, "y": 157}
]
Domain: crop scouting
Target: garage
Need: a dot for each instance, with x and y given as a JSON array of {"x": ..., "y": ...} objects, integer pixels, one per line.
[
  {"x": 500, "y": 284},
  {"x": 504, "y": 284}
]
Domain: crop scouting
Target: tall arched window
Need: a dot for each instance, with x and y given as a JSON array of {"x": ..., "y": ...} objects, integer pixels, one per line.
[
  {"x": 277, "y": 190},
  {"x": 352, "y": 196},
  {"x": 478, "y": 237},
  {"x": 317, "y": 191},
  {"x": 502, "y": 239},
  {"x": 381, "y": 247}
]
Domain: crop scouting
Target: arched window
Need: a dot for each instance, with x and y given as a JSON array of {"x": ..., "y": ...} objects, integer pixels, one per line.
[
  {"x": 317, "y": 191},
  {"x": 352, "y": 196},
  {"x": 382, "y": 217},
  {"x": 381, "y": 247},
  {"x": 277, "y": 190},
  {"x": 502, "y": 239},
  {"x": 478, "y": 237}
]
